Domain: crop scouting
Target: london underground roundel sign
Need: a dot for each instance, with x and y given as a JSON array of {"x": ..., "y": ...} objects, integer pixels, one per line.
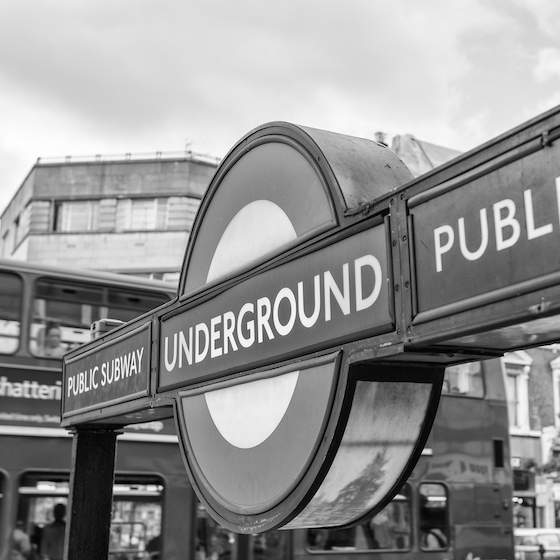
[{"x": 286, "y": 282}]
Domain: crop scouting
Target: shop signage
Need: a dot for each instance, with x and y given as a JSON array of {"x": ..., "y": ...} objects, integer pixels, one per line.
[{"x": 29, "y": 399}]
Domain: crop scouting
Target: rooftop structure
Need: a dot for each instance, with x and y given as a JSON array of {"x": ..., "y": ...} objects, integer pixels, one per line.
[{"x": 130, "y": 214}]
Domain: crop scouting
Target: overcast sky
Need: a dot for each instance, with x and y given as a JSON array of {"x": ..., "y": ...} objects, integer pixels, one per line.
[{"x": 85, "y": 77}]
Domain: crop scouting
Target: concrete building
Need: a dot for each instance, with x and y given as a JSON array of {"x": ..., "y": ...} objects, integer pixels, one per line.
[
  {"x": 420, "y": 156},
  {"x": 130, "y": 215}
]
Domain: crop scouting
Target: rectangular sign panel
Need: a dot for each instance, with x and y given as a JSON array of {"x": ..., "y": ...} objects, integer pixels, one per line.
[
  {"x": 327, "y": 296},
  {"x": 108, "y": 374},
  {"x": 490, "y": 239},
  {"x": 30, "y": 398}
]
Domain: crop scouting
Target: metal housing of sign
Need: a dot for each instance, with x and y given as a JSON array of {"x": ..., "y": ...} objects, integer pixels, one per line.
[
  {"x": 281, "y": 281},
  {"x": 275, "y": 352},
  {"x": 322, "y": 295}
]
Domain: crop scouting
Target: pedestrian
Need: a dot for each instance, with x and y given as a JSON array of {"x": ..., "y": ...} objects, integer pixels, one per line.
[{"x": 52, "y": 542}]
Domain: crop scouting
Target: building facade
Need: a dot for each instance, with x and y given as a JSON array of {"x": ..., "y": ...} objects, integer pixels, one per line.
[
  {"x": 127, "y": 215},
  {"x": 533, "y": 392}
]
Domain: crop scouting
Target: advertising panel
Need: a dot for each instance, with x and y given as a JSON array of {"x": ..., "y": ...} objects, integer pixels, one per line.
[{"x": 30, "y": 398}]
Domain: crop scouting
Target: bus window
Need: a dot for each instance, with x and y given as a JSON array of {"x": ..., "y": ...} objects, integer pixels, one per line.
[
  {"x": 434, "y": 517},
  {"x": 136, "y": 520},
  {"x": 212, "y": 540},
  {"x": 39, "y": 495},
  {"x": 390, "y": 529},
  {"x": 127, "y": 305},
  {"x": 464, "y": 380},
  {"x": 270, "y": 546},
  {"x": 62, "y": 316},
  {"x": 136, "y": 513},
  {"x": 10, "y": 312},
  {"x": 63, "y": 312}
]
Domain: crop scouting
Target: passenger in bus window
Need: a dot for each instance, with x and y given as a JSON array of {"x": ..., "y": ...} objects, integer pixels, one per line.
[
  {"x": 433, "y": 538},
  {"x": 433, "y": 517},
  {"x": 22, "y": 544},
  {"x": 317, "y": 539},
  {"x": 52, "y": 344},
  {"x": 153, "y": 547},
  {"x": 220, "y": 548},
  {"x": 52, "y": 542}
]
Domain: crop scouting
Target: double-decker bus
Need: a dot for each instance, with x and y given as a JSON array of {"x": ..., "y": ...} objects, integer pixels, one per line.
[
  {"x": 456, "y": 504},
  {"x": 44, "y": 312}
]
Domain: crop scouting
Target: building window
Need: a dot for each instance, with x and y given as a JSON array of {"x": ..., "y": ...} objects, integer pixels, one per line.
[
  {"x": 516, "y": 367},
  {"x": 17, "y": 232},
  {"x": 5, "y": 244},
  {"x": 464, "y": 380},
  {"x": 555, "y": 366},
  {"x": 513, "y": 380},
  {"x": 80, "y": 215},
  {"x": 127, "y": 214},
  {"x": 142, "y": 214}
]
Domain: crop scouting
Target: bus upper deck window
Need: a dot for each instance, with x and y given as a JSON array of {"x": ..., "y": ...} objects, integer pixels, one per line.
[
  {"x": 390, "y": 529},
  {"x": 64, "y": 311},
  {"x": 62, "y": 315},
  {"x": 127, "y": 305},
  {"x": 434, "y": 517},
  {"x": 464, "y": 380},
  {"x": 10, "y": 312}
]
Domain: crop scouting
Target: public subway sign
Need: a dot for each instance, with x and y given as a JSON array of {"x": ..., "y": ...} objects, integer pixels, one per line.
[
  {"x": 109, "y": 374},
  {"x": 283, "y": 354},
  {"x": 288, "y": 278},
  {"x": 486, "y": 246},
  {"x": 323, "y": 292},
  {"x": 332, "y": 295}
]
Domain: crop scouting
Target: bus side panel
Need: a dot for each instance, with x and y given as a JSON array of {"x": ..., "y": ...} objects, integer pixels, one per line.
[
  {"x": 18, "y": 453},
  {"x": 483, "y": 541},
  {"x": 179, "y": 502},
  {"x": 179, "y": 519}
]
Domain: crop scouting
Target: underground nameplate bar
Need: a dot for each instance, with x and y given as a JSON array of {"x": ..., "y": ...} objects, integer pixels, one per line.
[
  {"x": 500, "y": 230},
  {"x": 329, "y": 295},
  {"x": 112, "y": 372}
]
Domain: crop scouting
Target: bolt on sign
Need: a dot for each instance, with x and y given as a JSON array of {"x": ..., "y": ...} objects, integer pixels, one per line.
[{"x": 277, "y": 353}]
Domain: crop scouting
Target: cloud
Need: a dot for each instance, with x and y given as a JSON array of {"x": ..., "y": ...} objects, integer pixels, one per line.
[
  {"x": 99, "y": 76},
  {"x": 548, "y": 64}
]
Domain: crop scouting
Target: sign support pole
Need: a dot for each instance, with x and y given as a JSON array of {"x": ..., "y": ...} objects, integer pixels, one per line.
[
  {"x": 244, "y": 548},
  {"x": 91, "y": 493}
]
